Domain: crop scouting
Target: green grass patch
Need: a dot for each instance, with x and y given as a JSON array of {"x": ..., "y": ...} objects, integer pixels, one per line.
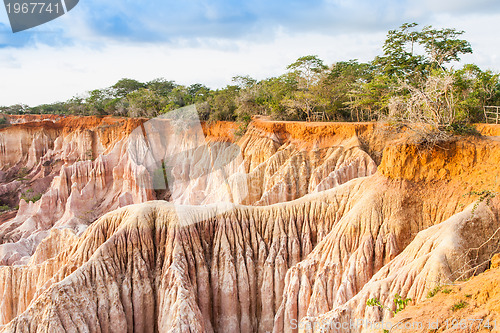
[
  {"x": 434, "y": 291},
  {"x": 459, "y": 305},
  {"x": 22, "y": 173},
  {"x": 29, "y": 196}
]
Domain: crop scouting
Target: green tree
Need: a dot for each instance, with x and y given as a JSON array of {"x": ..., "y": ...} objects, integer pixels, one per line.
[
  {"x": 178, "y": 98},
  {"x": 336, "y": 85},
  {"x": 15, "y": 109},
  {"x": 53, "y": 108},
  {"x": 400, "y": 56},
  {"x": 443, "y": 46},
  {"x": 76, "y": 105},
  {"x": 244, "y": 81},
  {"x": 246, "y": 99},
  {"x": 125, "y": 86},
  {"x": 370, "y": 100},
  {"x": 271, "y": 94},
  {"x": 474, "y": 89},
  {"x": 97, "y": 100},
  {"x": 161, "y": 86},
  {"x": 223, "y": 104},
  {"x": 198, "y": 93},
  {"x": 145, "y": 103},
  {"x": 308, "y": 70}
]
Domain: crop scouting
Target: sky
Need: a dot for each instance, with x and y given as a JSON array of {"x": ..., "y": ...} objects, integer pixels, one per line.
[{"x": 209, "y": 42}]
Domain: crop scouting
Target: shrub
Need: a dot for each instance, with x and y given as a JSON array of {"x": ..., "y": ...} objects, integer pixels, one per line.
[
  {"x": 434, "y": 291},
  {"x": 462, "y": 128},
  {"x": 22, "y": 173},
  {"x": 28, "y": 196},
  {"x": 400, "y": 302},
  {"x": 459, "y": 305}
]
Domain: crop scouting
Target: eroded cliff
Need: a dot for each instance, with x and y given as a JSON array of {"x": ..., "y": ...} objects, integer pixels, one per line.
[{"x": 317, "y": 233}]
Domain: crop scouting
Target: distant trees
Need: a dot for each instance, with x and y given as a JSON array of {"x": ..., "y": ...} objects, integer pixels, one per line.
[
  {"x": 126, "y": 86},
  {"x": 307, "y": 71},
  {"x": 411, "y": 81},
  {"x": 223, "y": 104},
  {"x": 401, "y": 56},
  {"x": 14, "y": 109},
  {"x": 145, "y": 103}
]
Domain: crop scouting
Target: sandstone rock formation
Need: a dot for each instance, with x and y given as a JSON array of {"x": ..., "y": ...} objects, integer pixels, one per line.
[
  {"x": 86, "y": 167},
  {"x": 318, "y": 232},
  {"x": 81, "y": 169}
]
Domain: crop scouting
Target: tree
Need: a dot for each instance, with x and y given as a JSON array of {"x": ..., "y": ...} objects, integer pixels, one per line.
[
  {"x": 370, "y": 100},
  {"x": 431, "y": 102},
  {"x": 125, "y": 86},
  {"x": 178, "y": 98},
  {"x": 244, "y": 81},
  {"x": 308, "y": 69},
  {"x": 76, "y": 105},
  {"x": 15, "y": 109},
  {"x": 400, "y": 53},
  {"x": 198, "y": 93},
  {"x": 442, "y": 46},
  {"x": 161, "y": 86},
  {"x": 53, "y": 108},
  {"x": 96, "y": 101},
  {"x": 223, "y": 104},
  {"x": 399, "y": 58},
  {"x": 271, "y": 93},
  {"x": 145, "y": 103},
  {"x": 475, "y": 89},
  {"x": 336, "y": 85},
  {"x": 411, "y": 74},
  {"x": 246, "y": 100},
  {"x": 306, "y": 101}
]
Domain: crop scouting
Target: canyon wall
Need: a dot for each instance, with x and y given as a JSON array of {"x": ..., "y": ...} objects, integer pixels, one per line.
[{"x": 317, "y": 231}]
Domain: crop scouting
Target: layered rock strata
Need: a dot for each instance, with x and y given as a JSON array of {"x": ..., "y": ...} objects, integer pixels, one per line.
[{"x": 318, "y": 234}]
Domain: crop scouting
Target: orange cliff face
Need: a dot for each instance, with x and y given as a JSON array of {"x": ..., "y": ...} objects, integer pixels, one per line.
[
  {"x": 63, "y": 173},
  {"x": 81, "y": 167},
  {"x": 300, "y": 228},
  {"x": 470, "y": 164}
]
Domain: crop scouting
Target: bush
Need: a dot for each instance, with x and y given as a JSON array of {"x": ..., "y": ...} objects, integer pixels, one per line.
[
  {"x": 434, "y": 291},
  {"x": 400, "y": 302},
  {"x": 459, "y": 305},
  {"x": 462, "y": 128},
  {"x": 29, "y": 196},
  {"x": 22, "y": 173}
]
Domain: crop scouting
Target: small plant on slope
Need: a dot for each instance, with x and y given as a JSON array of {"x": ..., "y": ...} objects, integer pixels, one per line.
[
  {"x": 484, "y": 195},
  {"x": 458, "y": 306},
  {"x": 400, "y": 302},
  {"x": 434, "y": 291}
]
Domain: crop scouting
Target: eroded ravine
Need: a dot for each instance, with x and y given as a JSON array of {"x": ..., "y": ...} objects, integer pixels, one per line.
[{"x": 316, "y": 254}]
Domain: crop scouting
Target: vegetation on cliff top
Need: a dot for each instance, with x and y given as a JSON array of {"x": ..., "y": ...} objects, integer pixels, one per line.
[{"x": 412, "y": 81}]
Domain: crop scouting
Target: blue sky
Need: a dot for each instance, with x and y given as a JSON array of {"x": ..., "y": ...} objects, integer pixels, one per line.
[{"x": 189, "y": 41}]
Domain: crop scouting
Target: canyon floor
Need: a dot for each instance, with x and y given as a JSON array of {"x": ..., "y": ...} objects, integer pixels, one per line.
[{"x": 135, "y": 225}]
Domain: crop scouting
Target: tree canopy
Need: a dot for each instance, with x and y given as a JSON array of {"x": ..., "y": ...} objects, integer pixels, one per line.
[{"x": 414, "y": 78}]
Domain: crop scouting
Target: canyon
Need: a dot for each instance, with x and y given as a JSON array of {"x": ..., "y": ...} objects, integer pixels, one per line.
[{"x": 137, "y": 225}]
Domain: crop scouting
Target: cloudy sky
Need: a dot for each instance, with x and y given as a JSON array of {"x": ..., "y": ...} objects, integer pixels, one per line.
[{"x": 210, "y": 41}]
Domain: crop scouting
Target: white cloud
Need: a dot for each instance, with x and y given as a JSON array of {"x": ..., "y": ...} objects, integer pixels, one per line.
[{"x": 44, "y": 74}]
